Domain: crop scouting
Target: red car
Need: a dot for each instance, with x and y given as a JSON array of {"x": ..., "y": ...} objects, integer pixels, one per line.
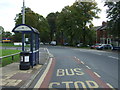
[{"x": 95, "y": 46}]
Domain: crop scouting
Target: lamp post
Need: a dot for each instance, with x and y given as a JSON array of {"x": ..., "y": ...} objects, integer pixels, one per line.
[
  {"x": 23, "y": 22},
  {"x": 23, "y": 13}
]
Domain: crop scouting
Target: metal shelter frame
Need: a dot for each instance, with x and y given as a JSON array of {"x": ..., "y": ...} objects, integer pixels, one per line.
[{"x": 34, "y": 41}]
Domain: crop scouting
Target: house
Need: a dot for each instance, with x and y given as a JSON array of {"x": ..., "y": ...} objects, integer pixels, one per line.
[{"x": 102, "y": 36}]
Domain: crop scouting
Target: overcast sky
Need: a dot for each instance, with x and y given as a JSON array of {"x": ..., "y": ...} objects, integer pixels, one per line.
[{"x": 9, "y": 9}]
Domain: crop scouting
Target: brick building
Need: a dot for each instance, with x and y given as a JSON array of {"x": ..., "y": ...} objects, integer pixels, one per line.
[{"x": 102, "y": 35}]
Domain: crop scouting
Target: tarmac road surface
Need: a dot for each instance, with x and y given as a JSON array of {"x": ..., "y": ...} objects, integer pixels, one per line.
[{"x": 79, "y": 68}]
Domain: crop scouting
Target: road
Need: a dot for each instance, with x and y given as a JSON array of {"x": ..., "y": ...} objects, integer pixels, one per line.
[{"x": 79, "y": 68}]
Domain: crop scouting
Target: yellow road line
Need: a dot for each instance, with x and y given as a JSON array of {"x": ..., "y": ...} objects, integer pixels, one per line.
[{"x": 38, "y": 84}]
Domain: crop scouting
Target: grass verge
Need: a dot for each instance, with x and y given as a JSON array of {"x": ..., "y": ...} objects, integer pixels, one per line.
[
  {"x": 8, "y": 60},
  {"x": 11, "y": 45}
]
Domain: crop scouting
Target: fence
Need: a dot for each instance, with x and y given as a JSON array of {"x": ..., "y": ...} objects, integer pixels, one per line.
[{"x": 12, "y": 55}]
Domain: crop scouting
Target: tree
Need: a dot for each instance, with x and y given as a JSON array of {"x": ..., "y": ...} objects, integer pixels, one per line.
[
  {"x": 7, "y": 34},
  {"x": 113, "y": 14},
  {"x": 1, "y": 29},
  {"x": 37, "y": 21},
  {"x": 1, "y": 33},
  {"x": 17, "y": 37},
  {"x": 4, "y": 34},
  {"x": 51, "y": 18},
  {"x": 74, "y": 21}
]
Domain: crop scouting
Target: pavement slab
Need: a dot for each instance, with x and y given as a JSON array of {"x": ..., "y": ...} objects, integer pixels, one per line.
[{"x": 13, "y": 77}]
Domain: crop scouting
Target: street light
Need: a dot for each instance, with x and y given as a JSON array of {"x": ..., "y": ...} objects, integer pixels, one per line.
[
  {"x": 23, "y": 13},
  {"x": 23, "y": 22}
]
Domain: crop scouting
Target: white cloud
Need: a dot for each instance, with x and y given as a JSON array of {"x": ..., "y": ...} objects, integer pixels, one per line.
[
  {"x": 9, "y": 9},
  {"x": 44, "y": 7},
  {"x": 102, "y": 14}
]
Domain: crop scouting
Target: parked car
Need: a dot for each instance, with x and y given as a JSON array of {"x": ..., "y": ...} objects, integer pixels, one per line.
[
  {"x": 65, "y": 44},
  {"x": 79, "y": 45},
  {"x": 116, "y": 48},
  {"x": 53, "y": 43},
  {"x": 92, "y": 47},
  {"x": 41, "y": 43},
  {"x": 95, "y": 46},
  {"x": 104, "y": 46},
  {"x": 46, "y": 43}
]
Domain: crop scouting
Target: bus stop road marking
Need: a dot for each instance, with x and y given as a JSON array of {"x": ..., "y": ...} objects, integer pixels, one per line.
[
  {"x": 110, "y": 86},
  {"x": 97, "y": 74},
  {"x": 88, "y": 67},
  {"x": 113, "y": 57},
  {"x": 97, "y": 79},
  {"x": 78, "y": 60}
]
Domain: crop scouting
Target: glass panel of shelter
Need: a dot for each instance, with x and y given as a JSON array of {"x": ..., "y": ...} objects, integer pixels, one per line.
[{"x": 27, "y": 42}]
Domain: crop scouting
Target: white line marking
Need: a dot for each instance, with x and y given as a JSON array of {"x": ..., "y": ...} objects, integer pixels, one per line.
[
  {"x": 74, "y": 56},
  {"x": 97, "y": 74},
  {"x": 47, "y": 51},
  {"x": 82, "y": 62},
  {"x": 98, "y": 54},
  {"x": 110, "y": 86},
  {"x": 39, "y": 82},
  {"x": 113, "y": 57},
  {"x": 88, "y": 67}
]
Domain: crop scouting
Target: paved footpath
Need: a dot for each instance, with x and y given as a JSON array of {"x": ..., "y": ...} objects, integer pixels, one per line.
[{"x": 12, "y": 77}]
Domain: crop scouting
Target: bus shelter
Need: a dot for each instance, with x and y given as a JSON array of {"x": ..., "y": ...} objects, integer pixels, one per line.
[{"x": 30, "y": 45}]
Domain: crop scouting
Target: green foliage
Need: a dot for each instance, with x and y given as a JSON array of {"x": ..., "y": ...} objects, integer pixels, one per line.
[
  {"x": 51, "y": 18},
  {"x": 75, "y": 22},
  {"x": 72, "y": 25},
  {"x": 37, "y": 21},
  {"x": 5, "y": 34},
  {"x": 1, "y": 32},
  {"x": 114, "y": 18},
  {"x": 17, "y": 37}
]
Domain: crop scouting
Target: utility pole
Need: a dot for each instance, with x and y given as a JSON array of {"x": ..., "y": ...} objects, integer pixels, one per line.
[
  {"x": 23, "y": 22},
  {"x": 23, "y": 13}
]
